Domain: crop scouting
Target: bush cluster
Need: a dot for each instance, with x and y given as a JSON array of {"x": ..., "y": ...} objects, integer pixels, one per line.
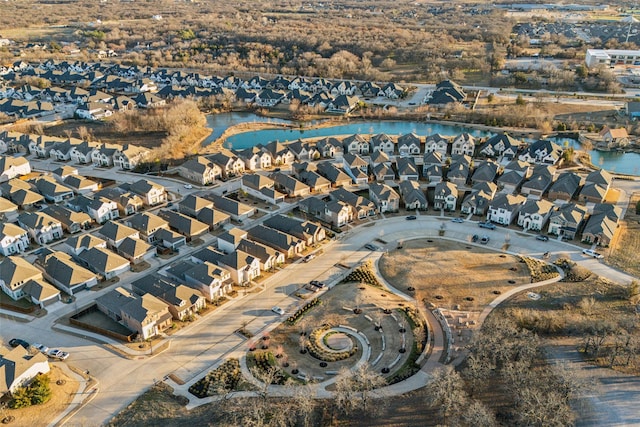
[
  {"x": 364, "y": 274},
  {"x": 36, "y": 393},
  {"x": 539, "y": 270},
  {"x": 572, "y": 271},
  {"x": 265, "y": 361},
  {"x": 320, "y": 353},
  {"x": 224, "y": 377},
  {"x": 302, "y": 310}
]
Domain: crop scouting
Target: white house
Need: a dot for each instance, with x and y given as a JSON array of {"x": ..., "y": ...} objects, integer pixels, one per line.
[
  {"x": 19, "y": 366},
  {"x": 533, "y": 214},
  {"x": 504, "y": 208},
  {"x": 13, "y": 239}
]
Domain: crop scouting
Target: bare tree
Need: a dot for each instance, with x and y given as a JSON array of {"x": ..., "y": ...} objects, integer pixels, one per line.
[
  {"x": 354, "y": 389},
  {"x": 477, "y": 414},
  {"x": 445, "y": 392}
]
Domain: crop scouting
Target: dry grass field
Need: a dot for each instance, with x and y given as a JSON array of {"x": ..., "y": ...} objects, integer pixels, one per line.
[
  {"x": 625, "y": 250},
  {"x": 449, "y": 273}
]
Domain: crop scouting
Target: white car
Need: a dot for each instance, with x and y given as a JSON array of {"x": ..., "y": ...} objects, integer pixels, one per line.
[
  {"x": 592, "y": 253},
  {"x": 188, "y": 186},
  {"x": 278, "y": 310},
  {"x": 41, "y": 348},
  {"x": 309, "y": 257},
  {"x": 58, "y": 354}
]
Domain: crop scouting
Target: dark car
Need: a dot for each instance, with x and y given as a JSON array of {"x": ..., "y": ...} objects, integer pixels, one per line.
[
  {"x": 484, "y": 240},
  {"x": 542, "y": 238},
  {"x": 317, "y": 284},
  {"x": 488, "y": 224},
  {"x": 475, "y": 238},
  {"x": 412, "y": 217},
  {"x": 17, "y": 341},
  {"x": 371, "y": 247}
]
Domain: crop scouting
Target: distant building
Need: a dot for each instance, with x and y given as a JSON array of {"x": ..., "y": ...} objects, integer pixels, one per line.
[{"x": 611, "y": 57}]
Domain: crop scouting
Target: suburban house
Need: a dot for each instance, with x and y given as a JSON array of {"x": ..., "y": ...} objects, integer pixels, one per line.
[
  {"x": 183, "y": 301},
  {"x": 102, "y": 156},
  {"x": 242, "y": 266},
  {"x": 151, "y": 193},
  {"x": 335, "y": 175},
  {"x": 200, "y": 170},
  {"x": 510, "y": 181},
  {"x": 433, "y": 173},
  {"x": 614, "y": 138},
  {"x": 15, "y": 273},
  {"x": 115, "y": 233},
  {"x": 129, "y": 156},
  {"x": 189, "y": 227},
  {"x": 80, "y": 184},
  {"x": 136, "y": 250},
  {"x": 330, "y": 147},
  {"x": 230, "y": 239},
  {"x": 566, "y": 187},
  {"x": 12, "y": 167},
  {"x": 72, "y": 222},
  {"x": 459, "y": 170},
  {"x": 500, "y": 145},
  {"x": 543, "y": 152},
  {"x": 409, "y": 144},
  {"x": 596, "y": 186},
  {"x": 211, "y": 280},
  {"x": 601, "y": 225},
  {"x": 103, "y": 262},
  {"x": 355, "y": 144},
  {"x": 237, "y": 210},
  {"x": 381, "y": 142},
  {"x": 255, "y": 158},
  {"x": 477, "y": 202},
  {"x": 66, "y": 275},
  {"x": 52, "y": 190},
  {"x": 412, "y": 196},
  {"x": 504, "y": 208},
  {"x": 169, "y": 239},
  {"x": 463, "y": 144},
  {"x": 268, "y": 257},
  {"x": 334, "y": 212},
  {"x": 283, "y": 242},
  {"x": 316, "y": 182},
  {"x": 533, "y": 214},
  {"x": 261, "y": 187},
  {"x": 289, "y": 185},
  {"x": 191, "y": 205},
  {"x": 214, "y": 218},
  {"x": 310, "y": 232},
  {"x": 437, "y": 143},
  {"x": 146, "y": 314},
  {"x": 13, "y": 239},
  {"x": 21, "y": 194},
  {"x": 385, "y": 197},
  {"x": 41, "y": 227},
  {"x": 407, "y": 169},
  {"x": 8, "y": 210},
  {"x": 19, "y": 366},
  {"x": 445, "y": 196},
  {"x": 540, "y": 181},
  {"x": 81, "y": 153},
  {"x": 362, "y": 206},
  {"x": 485, "y": 172},
  {"x": 383, "y": 172},
  {"x": 566, "y": 221},
  {"x": 147, "y": 224},
  {"x": 75, "y": 245}
]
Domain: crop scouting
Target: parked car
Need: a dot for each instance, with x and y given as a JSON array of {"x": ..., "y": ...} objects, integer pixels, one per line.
[
  {"x": 58, "y": 354},
  {"x": 592, "y": 253},
  {"x": 458, "y": 220},
  {"x": 309, "y": 257},
  {"x": 484, "y": 240},
  {"x": 14, "y": 342},
  {"x": 41, "y": 348},
  {"x": 411, "y": 217},
  {"x": 475, "y": 238},
  {"x": 488, "y": 224},
  {"x": 371, "y": 247},
  {"x": 278, "y": 310},
  {"x": 188, "y": 186},
  {"x": 317, "y": 284},
  {"x": 542, "y": 238}
]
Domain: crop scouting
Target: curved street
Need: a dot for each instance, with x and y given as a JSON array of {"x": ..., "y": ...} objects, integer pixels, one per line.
[{"x": 210, "y": 340}]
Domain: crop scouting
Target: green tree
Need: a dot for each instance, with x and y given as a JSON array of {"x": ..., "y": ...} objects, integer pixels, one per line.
[
  {"x": 582, "y": 71},
  {"x": 39, "y": 390},
  {"x": 520, "y": 100},
  {"x": 490, "y": 98},
  {"x": 638, "y": 208},
  {"x": 20, "y": 398}
]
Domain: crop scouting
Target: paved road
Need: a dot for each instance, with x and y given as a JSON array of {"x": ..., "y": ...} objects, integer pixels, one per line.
[{"x": 206, "y": 342}]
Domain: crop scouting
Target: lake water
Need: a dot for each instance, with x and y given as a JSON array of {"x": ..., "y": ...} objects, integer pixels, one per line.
[{"x": 625, "y": 163}]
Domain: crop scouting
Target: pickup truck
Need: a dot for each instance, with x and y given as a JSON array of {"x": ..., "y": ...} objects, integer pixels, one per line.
[{"x": 488, "y": 224}]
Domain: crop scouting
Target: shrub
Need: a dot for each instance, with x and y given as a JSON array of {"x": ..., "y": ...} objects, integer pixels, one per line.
[
  {"x": 539, "y": 270},
  {"x": 364, "y": 274},
  {"x": 225, "y": 377},
  {"x": 36, "y": 393},
  {"x": 302, "y": 310}
]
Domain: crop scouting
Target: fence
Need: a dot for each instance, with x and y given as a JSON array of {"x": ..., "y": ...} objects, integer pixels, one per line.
[{"x": 74, "y": 320}]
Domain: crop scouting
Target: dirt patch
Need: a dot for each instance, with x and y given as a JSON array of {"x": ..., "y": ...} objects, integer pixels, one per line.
[
  {"x": 451, "y": 274},
  {"x": 61, "y": 396},
  {"x": 625, "y": 249}
]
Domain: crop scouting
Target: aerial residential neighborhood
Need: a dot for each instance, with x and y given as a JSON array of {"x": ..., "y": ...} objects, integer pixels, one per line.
[{"x": 343, "y": 213}]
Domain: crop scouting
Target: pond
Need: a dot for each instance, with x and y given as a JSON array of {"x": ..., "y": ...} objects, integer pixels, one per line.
[{"x": 625, "y": 163}]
